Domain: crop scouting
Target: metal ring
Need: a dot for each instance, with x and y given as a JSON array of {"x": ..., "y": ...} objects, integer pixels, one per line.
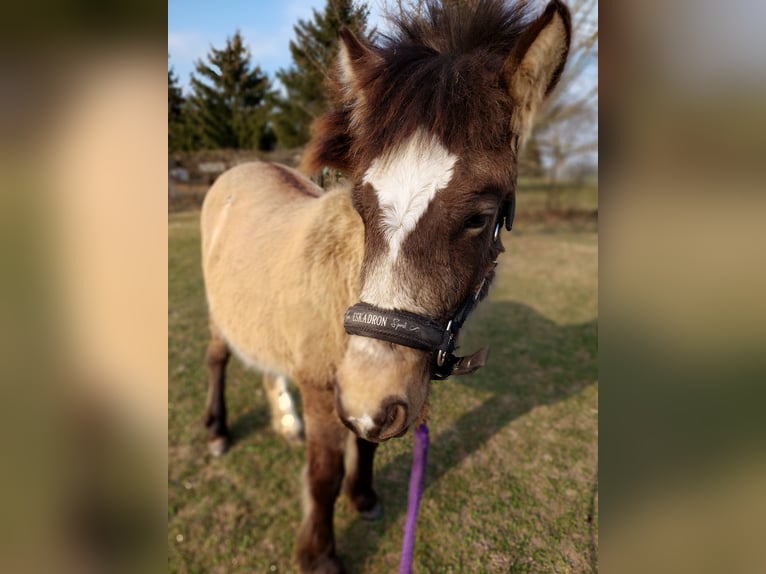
[
  {"x": 440, "y": 356},
  {"x": 498, "y": 225}
]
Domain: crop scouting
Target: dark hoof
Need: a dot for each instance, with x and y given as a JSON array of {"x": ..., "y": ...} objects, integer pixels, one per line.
[
  {"x": 367, "y": 505},
  {"x": 218, "y": 446},
  {"x": 324, "y": 565},
  {"x": 374, "y": 513}
]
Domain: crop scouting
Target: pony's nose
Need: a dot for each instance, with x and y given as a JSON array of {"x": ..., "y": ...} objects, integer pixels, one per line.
[
  {"x": 391, "y": 421},
  {"x": 394, "y": 422}
]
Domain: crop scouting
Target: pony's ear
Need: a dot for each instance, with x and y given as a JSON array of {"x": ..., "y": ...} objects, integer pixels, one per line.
[
  {"x": 331, "y": 141},
  {"x": 535, "y": 64},
  {"x": 353, "y": 56}
]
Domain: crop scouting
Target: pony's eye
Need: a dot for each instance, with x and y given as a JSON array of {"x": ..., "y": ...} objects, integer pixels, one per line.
[{"x": 476, "y": 222}]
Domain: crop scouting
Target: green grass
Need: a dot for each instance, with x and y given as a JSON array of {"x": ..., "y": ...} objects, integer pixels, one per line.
[
  {"x": 512, "y": 470},
  {"x": 535, "y": 196}
]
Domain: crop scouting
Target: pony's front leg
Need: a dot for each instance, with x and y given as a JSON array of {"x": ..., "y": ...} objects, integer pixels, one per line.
[
  {"x": 325, "y": 441},
  {"x": 360, "y": 455}
]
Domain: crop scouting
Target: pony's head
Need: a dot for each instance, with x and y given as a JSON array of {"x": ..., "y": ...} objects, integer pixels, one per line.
[{"x": 428, "y": 125}]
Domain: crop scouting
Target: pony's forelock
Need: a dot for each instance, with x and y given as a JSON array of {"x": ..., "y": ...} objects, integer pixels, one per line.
[{"x": 439, "y": 71}]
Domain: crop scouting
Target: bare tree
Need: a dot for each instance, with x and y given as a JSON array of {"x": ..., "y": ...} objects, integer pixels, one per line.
[{"x": 566, "y": 129}]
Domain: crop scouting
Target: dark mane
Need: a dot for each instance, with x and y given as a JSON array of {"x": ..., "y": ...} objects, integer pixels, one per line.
[
  {"x": 460, "y": 27},
  {"x": 439, "y": 70}
]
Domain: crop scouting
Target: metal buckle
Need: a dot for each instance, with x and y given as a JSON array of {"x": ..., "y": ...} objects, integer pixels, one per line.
[{"x": 441, "y": 356}]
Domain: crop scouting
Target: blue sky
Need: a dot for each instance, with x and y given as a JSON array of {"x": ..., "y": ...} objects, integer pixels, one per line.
[{"x": 266, "y": 25}]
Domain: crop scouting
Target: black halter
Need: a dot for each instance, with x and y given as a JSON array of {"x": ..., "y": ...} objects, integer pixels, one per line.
[{"x": 421, "y": 332}]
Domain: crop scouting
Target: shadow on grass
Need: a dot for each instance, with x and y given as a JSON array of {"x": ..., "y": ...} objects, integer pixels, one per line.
[
  {"x": 258, "y": 418},
  {"x": 249, "y": 422},
  {"x": 526, "y": 346}
]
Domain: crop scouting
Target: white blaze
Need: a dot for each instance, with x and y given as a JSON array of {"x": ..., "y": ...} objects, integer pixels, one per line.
[
  {"x": 405, "y": 181},
  {"x": 364, "y": 423}
]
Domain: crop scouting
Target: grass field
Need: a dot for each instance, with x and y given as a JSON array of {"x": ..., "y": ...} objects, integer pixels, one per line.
[{"x": 512, "y": 474}]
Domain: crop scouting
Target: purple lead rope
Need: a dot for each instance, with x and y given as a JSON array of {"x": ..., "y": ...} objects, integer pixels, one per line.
[{"x": 417, "y": 481}]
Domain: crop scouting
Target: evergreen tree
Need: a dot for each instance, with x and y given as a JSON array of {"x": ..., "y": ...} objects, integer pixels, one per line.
[
  {"x": 228, "y": 102},
  {"x": 175, "y": 97},
  {"x": 314, "y": 52},
  {"x": 175, "y": 112}
]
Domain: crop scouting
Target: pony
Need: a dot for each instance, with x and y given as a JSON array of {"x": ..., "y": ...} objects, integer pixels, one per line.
[{"x": 357, "y": 294}]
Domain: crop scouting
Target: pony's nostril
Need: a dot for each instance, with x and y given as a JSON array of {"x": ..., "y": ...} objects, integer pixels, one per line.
[{"x": 395, "y": 422}]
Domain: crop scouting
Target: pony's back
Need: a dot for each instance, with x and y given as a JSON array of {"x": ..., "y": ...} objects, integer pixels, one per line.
[{"x": 277, "y": 256}]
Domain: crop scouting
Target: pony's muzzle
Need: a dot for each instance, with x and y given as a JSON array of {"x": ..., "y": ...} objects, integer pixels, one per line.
[
  {"x": 390, "y": 422},
  {"x": 380, "y": 388}
]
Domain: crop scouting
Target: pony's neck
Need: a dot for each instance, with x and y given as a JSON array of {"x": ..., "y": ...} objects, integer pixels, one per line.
[{"x": 335, "y": 242}]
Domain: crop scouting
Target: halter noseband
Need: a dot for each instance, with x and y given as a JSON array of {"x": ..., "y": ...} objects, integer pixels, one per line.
[{"x": 426, "y": 334}]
